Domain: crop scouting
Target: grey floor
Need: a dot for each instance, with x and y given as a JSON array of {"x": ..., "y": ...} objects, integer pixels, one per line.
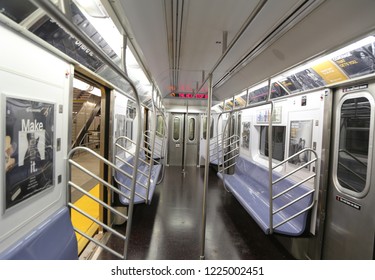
[{"x": 171, "y": 226}]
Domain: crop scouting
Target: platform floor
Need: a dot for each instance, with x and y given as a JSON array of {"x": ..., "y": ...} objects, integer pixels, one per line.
[{"x": 170, "y": 228}]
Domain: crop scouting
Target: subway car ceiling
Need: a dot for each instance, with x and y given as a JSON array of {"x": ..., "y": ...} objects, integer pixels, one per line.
[{"x": 174, "y": 46}]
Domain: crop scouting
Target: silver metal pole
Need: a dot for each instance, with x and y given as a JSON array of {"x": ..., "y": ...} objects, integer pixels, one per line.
[
  {"x": 270, "y": 152},
  {"x": 206, "y": 167},
  {"x": 67, "y": 24},
  {"x": 185, "y": 136}
]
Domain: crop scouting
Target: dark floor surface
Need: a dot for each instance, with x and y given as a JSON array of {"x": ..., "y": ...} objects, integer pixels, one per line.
[{"x": 170, "y": 227}]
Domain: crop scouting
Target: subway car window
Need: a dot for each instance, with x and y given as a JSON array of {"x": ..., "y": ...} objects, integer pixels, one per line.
[
  {"x": 278, "y": 142},
  {"x": 160, "y": 125},
  {"x": 205, "y": 128},
  {"x": 176, "y": 128},
  {"x": 191, "y": 129},
  {"x": 354, "y": 139}
]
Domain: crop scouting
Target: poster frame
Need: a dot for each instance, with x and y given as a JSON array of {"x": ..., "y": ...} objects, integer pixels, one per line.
[{"x": 5, "y": 96}]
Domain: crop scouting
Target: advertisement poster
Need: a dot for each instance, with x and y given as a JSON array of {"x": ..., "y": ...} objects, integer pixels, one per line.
[
  {"x": 303, "y": 80},
  {"x": 300, "y": 138},
  {"x": 29, "y": 139},
  {"x": 329, "y": 72},
  {"x": 357, "y": 62},
  {"x": 245, "y": 135}
]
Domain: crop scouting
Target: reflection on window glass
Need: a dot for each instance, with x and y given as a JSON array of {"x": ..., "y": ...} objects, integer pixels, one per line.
[
  {"x": 353, "y": 150},
  {"x": 278, "y": 142},
  {"x": 191, "y": 129},
  {"x": 160, "y": 125},
  {"x": 176, "y": 128}
]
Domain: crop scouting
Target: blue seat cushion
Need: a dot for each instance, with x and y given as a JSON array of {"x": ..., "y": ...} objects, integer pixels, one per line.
[
  {"x": 250, "y": 185},
  {"x": 54, "y": 239}
]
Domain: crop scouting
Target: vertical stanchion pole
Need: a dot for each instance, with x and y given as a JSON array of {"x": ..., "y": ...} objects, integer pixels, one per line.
[
  {"x": 186, "y": 127},
  {"x": 270, "y": 152},
  {"x": 206, "y": 167}
]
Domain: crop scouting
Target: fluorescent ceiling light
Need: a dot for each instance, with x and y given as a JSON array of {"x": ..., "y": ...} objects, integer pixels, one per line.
[
  {"x": 92, "y": 7},
  {"x": 86, "y": 87},
  {"x": 104, "y": 25}
]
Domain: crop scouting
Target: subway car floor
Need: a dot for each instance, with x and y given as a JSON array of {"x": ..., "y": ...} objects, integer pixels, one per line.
[{"x": 170, "y": 227}]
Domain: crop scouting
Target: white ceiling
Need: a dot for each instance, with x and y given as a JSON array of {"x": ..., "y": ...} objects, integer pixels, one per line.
[{"x": 180, "y": 41}]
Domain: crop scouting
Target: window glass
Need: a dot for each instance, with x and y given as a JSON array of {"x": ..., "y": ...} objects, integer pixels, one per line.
[
  {"x": 278, "y": 142},
  {"x": 353, "y": 152},
  {"x": 205, "y": 128},
  {"x": 160, "y": 125},
  {"x": 176, "y": 128},
  {"x": 191, "y": 129}
]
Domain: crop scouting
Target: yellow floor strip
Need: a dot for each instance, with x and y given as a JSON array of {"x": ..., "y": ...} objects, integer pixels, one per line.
[{"x": 81, "y": 222}]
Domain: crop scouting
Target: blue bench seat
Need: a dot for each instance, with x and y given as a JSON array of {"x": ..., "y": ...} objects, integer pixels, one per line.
[
  {"x": 54, "y": 239},
  {"x": 141, "y": 180},
  {"x": 250, "y": 185}
]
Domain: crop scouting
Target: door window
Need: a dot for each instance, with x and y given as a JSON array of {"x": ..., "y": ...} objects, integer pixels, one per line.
[
  {"x": 353, "y": 154},
  {"x": 191, "y": 129},
  {"x": 176, "y": 128}
]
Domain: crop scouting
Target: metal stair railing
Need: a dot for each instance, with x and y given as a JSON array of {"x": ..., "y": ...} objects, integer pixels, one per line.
[
  {"x": 82, "y": 133},
  {"x": 71, "y": 184},
  {"x": 273, "y": 197},
  {"x": 85, "y": 141}
]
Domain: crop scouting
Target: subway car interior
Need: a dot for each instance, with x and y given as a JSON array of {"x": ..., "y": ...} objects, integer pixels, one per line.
[{"x": 187, "y": 129}]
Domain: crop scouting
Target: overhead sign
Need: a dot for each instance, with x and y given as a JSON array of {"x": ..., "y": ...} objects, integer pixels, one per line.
[{"x": 189, "y": 95}]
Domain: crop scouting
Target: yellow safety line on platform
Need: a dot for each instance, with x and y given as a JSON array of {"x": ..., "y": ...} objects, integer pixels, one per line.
[{"x": 82, "y": 223}]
